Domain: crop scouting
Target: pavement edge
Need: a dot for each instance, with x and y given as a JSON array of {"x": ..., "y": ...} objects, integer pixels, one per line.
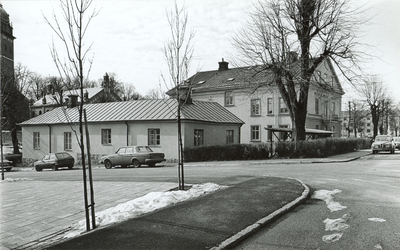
[{"x": 235, "y": 239}]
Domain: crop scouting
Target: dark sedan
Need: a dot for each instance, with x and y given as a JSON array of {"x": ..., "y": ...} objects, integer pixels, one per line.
[
  {"x": 133, "y": 155},
  {"x": 55, "y": 161}
]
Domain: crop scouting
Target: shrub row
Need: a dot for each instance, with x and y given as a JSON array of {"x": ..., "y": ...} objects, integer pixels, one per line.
[
  {"x": 320, "y": 147},
  {"x": 227, "y": 152},
  {"x": 302, "y": 149}
]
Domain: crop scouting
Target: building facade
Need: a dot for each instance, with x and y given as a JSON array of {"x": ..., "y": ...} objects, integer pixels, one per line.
[
  {"x": 115, "y": 124},
  {"x": 257, "y": 101},
  {"x": 7, "y": 46}
]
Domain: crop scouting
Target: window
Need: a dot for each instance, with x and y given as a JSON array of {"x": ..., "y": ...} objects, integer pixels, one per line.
[
  {"x": 229, "y": 98},
  {"x": 198, "y": 137},
  {"x": 316, "y": 106},
  {"x": 106, "y": 136},
  {"x": 282, "y": 106},
  {"x": 255, "y": 107},
  {"x": 154, "y": 137},
  {"x": 36, "y": 140},
  {"x": 270, "y": 106},
  {"x": 255, "y": 133},
  {"x": 67, "y": 141},
  {"x": 229, "y": 137},
  {"x": 333, "y": 108}
]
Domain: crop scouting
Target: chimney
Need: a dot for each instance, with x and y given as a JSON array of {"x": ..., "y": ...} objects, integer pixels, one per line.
[
  {"x": 44, "y": 101},
  {"x": 72, "y": 101},
  {"x": 223, "y": 65},
  {"x": 86, "y": 96},
  {"x": 50, "y": 89},
  {"x": 106, "y": 83},
  {"x": 185, "y": 96}
]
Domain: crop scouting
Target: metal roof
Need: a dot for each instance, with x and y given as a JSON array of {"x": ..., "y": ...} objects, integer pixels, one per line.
[
  {"x": 141, "y": 110},
  {"x": 51, "y": 99}
]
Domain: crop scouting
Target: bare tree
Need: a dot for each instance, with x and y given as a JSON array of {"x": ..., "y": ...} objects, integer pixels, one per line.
[
  {"x": 76, "y": 20},
  {"x": 129, "y": 93},
  {"x": 313, "y": 29},
  {"x": 21, "y": 77},
  {"x": 374, "y": 93},
  {"x": 178, "y": 53}
]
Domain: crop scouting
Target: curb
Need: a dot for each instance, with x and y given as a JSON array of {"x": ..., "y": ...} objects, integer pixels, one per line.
[{"x": 240, "y": 236}]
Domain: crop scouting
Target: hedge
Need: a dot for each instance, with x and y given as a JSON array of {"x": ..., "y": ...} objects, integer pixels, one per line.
[
  {"x": 227, "y": 152},
  {"x": 320, "y": 147},
  {"x": 288, "y": 149}
]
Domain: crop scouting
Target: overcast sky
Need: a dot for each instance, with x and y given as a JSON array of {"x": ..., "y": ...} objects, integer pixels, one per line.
[{"x": 128, "y": 36}]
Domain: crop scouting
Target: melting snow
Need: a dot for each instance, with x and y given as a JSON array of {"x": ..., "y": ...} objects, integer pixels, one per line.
[
  {"x": 327, "y": 196},
  {"x": 337, "y": 224},
  {"x": 332, "y": 237},
  {"x": 376, "y": 219},
  {"x": 145, "y": 204},
  {"x": 17, "y": 179}
]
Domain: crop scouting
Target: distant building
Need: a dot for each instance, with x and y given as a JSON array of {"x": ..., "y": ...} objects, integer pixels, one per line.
[
  {"x": 7, "y": 47},
  {"x": 53, "y": 99},
  {"x": 364, "y": 128},
  {"x": 255, "y": 99}
]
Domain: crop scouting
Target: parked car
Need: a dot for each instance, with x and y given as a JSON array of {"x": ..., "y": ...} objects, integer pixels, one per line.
[
  {"x": 55, "y": 161},
  {"x": 7, "y": 165},
  {"x": 10, "y": 156},
  {"x": 132, "y": 155},
  {"x": 383, "y": 143},
  {"x": 396, "y": 141}
]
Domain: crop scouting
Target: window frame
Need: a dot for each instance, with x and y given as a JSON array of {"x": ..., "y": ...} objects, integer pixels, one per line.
[
  {"x": 270, "y": 106},
  {"x": 283, "y": 104},
  {"x": 255, "y": 106},
  {"x": 316, "y": 106},
  {"x": 106, "y": 136},
  {"x": 198, "y": 137},
  {"x": 230, "y": 139},
  {"x": 153, "y": 137},
  {"x": 67, "y": 141},
  {"x": 229, "y": 98},
  {"x": 36, "y": 140},
  {"x": 255, "y": 133}
]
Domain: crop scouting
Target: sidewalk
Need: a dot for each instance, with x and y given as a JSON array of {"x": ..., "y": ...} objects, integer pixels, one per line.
[{"x": 216, "y": 220}]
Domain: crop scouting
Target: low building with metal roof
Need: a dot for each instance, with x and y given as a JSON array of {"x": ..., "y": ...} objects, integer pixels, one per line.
[{"x": 143, "y": 122}]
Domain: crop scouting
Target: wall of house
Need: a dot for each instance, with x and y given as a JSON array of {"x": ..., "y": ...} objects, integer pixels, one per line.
[
  {"x": 214, "y": 133},
  {"x": 122, "y": 134}
]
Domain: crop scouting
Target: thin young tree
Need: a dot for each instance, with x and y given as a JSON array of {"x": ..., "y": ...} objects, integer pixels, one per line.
[
  {"x": 178, "y": 52},
  {"x": 71, "y": 31},
  {"x": 314, "y": 30}
]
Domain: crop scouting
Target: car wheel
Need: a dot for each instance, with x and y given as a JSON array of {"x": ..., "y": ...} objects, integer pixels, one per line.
[
  {"x": 108, "y": 164},
  {"x": 38, "y": 169},
  {"x": 135, "y": 163},
  {"x": 54, "y": 168}
]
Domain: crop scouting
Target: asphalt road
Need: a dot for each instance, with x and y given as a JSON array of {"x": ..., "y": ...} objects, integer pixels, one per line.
[{"x": 370, "y": 189}]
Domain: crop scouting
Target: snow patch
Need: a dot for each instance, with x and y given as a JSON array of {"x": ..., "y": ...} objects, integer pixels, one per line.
[
  {"x": 332, "y": 237},
  {"x": 15, "y": 180},
  {"x": 376, "y": 219},
  {"x": 327, "y": 196},
  {"x": 336, "y": 224},
  {"x": 145, "y": 204}
]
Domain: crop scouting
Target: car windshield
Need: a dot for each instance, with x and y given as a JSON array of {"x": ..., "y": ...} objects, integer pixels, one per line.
[
  {"x": 143, "y": 149},
  {"x": 382, "y": 138}
]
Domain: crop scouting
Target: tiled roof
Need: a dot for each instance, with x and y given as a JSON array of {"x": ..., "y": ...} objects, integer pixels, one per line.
[
  {"x": 141, "y": 110},
  {"x": 51, "y": 101},
  {"x": 238, "y": 78}
]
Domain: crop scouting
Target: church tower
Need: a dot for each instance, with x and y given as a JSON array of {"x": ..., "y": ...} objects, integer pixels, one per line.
[{"x": 7, "y": 47}]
